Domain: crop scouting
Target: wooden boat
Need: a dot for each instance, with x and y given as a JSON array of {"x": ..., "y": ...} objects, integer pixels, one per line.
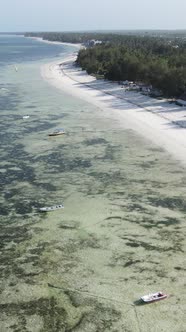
[
  {"x": 57, "y": 132},
  {"x": 153, "y": 297},
  {"x": 51, "y": 208}
]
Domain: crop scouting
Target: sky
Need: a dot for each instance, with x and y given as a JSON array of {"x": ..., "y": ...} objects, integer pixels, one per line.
[{"x": 84, "y": 15}]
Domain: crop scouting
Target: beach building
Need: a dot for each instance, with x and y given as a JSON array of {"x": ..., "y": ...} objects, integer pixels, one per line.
[{"x": 92, "y": 42}]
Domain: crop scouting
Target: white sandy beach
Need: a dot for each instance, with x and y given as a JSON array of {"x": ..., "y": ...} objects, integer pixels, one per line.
[
  {"x": 159, "y": 121},
  {"x": 40, "y": 39}
]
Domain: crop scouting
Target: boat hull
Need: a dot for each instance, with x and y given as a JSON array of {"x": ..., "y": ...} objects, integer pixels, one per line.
[
  {"x": 56, "y": 134},
  {"x": 51, "y": 208},
  {"x": 153, "y": 297}
]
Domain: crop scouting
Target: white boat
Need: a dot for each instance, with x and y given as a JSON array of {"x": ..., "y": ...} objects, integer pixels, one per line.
[
  {"x": 26, "y": 116},
  {"x": 57, "y": 132},
  {"x": 153, "y": 297},
  {"x": 51, "y": 208}
]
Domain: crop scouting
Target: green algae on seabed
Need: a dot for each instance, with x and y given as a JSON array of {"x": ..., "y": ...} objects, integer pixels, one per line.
[{"x": 120, "y": 235}]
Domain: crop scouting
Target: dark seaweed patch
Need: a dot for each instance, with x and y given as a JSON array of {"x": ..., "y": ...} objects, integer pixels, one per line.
[
  {"x": 133, "y": 244},
  {"x": 4, "y": 211},
  {"x": 38, "y": 126},
  {"x": 113, "y": 217},
  {"x": 23, "y": 207},
  {"x": 157, "y": 150},
  {"x": 31, "y": 106},
  {"x": 46, "y": 186},
  {"x": 95, "y": 141},
  {"x": 9, "y": 102},
  {"x": 131, "y": 262},
  {"x": 146, "y": 246},
  {"x": 90, "y": 242},
  {"x": 174, "y": 236},
  {"x": 135, "y": 207},
  {"x": 168, "y": 221},
  {"x": 169, "y": 202},
  {"x": 16, "y": 234},
  {"x": 41, "y": 246},
  {"x": 26, "y": 173},
  {"x": 53, "y": 316},
  {"x": 147, "y": 164},
  {"x": 16, "y": 152},
  {"x": 151, "y": 222},
  {"x": 102, "y": 318},
  {"x": 123, "y": 260},
  {"x": 9, "y": 194},
  {"x": 69, "y": 225},
  {"x": 9, "y": 238},
  {"x": 178, "y": 268},
  {"x": 110, "y": 152},
  {"x": 109, "y": 178},
  {"x": 59, "y": 163}
]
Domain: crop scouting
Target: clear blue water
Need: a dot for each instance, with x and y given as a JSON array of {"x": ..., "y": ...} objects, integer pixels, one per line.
[{"x": 17, "y": 49}]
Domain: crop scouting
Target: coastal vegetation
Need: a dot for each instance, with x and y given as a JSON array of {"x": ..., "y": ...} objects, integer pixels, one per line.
[
  {"x": 161, "y": 67},
  {"x": 155, "y": 60}
]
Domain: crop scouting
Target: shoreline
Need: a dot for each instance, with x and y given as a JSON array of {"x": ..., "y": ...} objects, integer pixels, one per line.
[
  {"x": 40, "y": 39},
  {"x": 162, "y": 123}
]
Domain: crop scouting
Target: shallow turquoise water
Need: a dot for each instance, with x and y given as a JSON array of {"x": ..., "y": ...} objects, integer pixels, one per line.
[{"x": 120, "y": 235}]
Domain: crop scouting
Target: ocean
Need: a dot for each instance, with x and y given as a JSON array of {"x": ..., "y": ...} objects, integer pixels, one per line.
[{"x": 121, "y": 233}]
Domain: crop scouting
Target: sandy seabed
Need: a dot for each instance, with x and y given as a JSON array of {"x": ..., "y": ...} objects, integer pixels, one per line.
[
  {"x": 121, "y": 234},
  {"x": 132, "y": 236}
]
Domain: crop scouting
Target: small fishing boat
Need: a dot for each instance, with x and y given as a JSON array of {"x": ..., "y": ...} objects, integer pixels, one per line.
[
  {"x": 51, "y": 208},
  {"x": 26, "y": 116},
  {"x": 57, "y": 132},
  {"x": 153, "y": 297}
]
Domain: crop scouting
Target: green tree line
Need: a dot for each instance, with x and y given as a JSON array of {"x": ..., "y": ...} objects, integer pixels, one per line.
[
  {"x": 159, "y": 60},
  {"x": 165, "y": 71}
]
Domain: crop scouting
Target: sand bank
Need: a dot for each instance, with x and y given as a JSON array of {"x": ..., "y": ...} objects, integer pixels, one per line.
[
  {"x": 159, "y": 121},
  {"x": 40, "y": 39}
]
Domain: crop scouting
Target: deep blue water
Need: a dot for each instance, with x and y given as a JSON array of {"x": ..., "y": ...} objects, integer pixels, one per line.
[{"x": 17, "y": 49}]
